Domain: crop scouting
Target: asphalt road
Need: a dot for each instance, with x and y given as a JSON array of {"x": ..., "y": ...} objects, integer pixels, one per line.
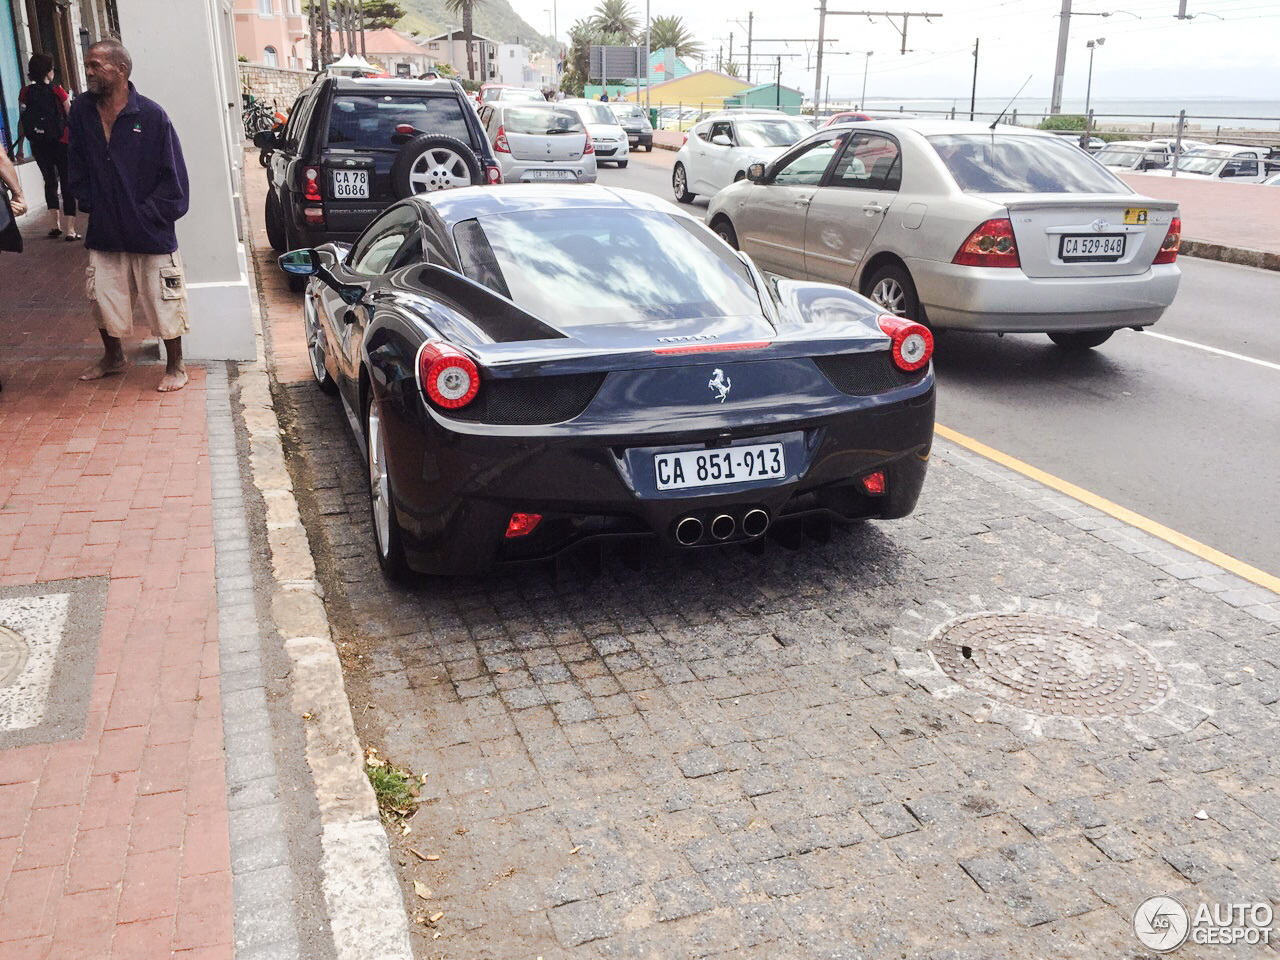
[{"x": 1185, "y": 436}]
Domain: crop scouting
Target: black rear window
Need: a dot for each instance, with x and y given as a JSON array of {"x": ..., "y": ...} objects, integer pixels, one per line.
[{"x": 365, "y": 121}]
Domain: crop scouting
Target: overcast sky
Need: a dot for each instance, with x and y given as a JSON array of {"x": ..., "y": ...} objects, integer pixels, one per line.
[{"x": 1148, "y": 53}]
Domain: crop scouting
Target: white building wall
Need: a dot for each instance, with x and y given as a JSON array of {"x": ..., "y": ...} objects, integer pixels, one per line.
[{"x": 511, "y": 61}]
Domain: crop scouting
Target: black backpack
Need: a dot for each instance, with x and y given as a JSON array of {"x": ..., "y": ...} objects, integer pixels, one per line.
[{"x": 43, "y": 119}]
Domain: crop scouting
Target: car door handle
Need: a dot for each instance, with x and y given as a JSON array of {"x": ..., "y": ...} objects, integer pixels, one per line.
[
  {"x": 802, "y": 202},
  {"x": 871, "y": 209}
]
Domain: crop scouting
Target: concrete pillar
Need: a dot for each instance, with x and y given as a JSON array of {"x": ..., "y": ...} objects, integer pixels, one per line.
[{"x": 184, "y": 59}]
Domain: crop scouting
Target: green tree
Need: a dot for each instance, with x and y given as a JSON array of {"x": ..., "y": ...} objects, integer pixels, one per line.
[
  {"x": 673, "y": 32},
  {"x": 466, "y": 8},
  {"x": 379, "y": 14},
  {"x": 616, "y": 17},
  {"x": 731, "y": 68}
]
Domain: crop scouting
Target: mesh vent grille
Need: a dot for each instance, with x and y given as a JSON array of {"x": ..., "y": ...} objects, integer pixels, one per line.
[
  {"x": 530, "y": 400},
  {"x": 865, "y": 374}
]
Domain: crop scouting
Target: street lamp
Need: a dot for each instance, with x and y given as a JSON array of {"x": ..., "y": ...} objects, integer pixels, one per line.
[
  {"x": 1088, "y": 90},
  {"x": 862, "y": 104}
]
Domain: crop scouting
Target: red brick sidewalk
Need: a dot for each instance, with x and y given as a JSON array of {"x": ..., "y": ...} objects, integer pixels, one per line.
[{"x": 115, "y": 844}]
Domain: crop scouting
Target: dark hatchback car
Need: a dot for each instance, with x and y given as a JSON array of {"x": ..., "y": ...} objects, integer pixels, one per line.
[
  {"x": 634, "y": 120},
  {"x": 352, "y": 147}
]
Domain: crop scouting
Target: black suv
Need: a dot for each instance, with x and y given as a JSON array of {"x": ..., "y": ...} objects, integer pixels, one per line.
[{"x": 353, "y": 147}]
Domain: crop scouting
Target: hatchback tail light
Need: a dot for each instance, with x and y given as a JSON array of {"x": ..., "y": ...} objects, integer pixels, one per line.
[
  {"x": 912, "y": 342},
  {"x": 500, "y": 141},
  {"x": 589, "y": 148},
  {"x": 990, "y": 245},
  {"x": 684, "y": 140},
  {"x": 311, "y": 184},
  {"x": 1172, "y": 242},
  {"x": 447, "y": 376}
]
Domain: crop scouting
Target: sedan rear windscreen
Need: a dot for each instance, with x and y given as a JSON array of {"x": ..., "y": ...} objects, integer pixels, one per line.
[
  {"x": 1009, "y": 163},
  {"x": 541, "y": 121},
  {"x": 592, "y": 266},
  {"x": 368, "y": 121}
]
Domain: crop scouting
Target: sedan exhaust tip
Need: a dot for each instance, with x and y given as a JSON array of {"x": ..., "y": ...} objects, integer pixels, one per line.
[
  {"x": 722, "y": 527},
  {"x": 688, "y": 531},
  {"x": 755, "y": 522}
]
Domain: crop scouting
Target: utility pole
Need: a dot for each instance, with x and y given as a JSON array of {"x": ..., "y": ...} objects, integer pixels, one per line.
[
  {"x": 906, "y": 16},
  {"x": 777, "y": 90},
  {"x": 1060, "y": 65},
  {"x": 817, "y": 80},
  {"x": 731, "y": 46},
  {"x": 973, "y": 96},
  {"x": 647, "y": 54},
  {"x": 750, "y": 17},
  {"x": 1182, "y": 10},
  {"x": 362, "y": 48}
]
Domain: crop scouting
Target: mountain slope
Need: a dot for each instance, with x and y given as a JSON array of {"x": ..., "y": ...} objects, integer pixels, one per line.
[{"x": 493, "y": 18}]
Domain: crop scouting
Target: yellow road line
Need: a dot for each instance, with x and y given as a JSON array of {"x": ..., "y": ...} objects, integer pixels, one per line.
[{"x": 1203, "y": 551}]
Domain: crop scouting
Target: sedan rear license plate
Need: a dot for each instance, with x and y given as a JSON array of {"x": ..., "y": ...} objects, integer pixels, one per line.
[
  {"x": 705, "y": 468},
  {"x": 549, "y": 175},
  {"x": 350, "y": 184},
  {"x": 1105, "y": 247}
]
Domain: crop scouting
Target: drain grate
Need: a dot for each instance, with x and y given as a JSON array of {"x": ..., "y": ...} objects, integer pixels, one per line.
[
  {"x": 13, "y": 656},
  {"x": 1049, "y": 664}
]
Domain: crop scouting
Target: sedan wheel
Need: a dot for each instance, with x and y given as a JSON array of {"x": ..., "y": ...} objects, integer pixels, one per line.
[
  {"x": 316, "y": 347},
  {"x": 386, "y": 528},
  {"x": 680, "y": 185},
  {"x": 891, "y": 287}
]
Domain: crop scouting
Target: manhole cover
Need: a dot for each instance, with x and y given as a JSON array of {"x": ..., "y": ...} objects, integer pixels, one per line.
[
  {"x": 13, "y": 656},
  {"x": 1049, "y": 664}
]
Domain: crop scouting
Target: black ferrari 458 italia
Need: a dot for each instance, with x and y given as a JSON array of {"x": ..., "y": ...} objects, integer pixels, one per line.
[{"x": 531, "y": 367}]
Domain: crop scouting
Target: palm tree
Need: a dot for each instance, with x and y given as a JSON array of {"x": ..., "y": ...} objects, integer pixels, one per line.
[
  {"x": 465, "y": 7},
  {"x": 615, "y": 16},
  {"x": 673, "y": 32}
]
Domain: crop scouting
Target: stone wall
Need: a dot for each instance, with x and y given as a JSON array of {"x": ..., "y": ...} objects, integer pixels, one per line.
[{"x": 273, "y": 84}]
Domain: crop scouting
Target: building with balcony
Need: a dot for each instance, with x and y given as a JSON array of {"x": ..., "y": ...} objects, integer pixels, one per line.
[
  {"x": 451, "y": 48},
  {"x": 273, "y": 33}
]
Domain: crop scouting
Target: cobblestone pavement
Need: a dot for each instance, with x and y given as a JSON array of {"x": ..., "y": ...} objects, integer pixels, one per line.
[{"x": 738, "y": 754}]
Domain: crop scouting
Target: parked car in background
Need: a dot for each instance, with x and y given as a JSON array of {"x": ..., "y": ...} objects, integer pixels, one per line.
[
  {"x": 959, "y": 226},
  {"x": 353, "y": 147},
  {"x": 635, "y": 120},
  {"x": 1135, "y": 156},
  {"x": 718, "y": 150},
  {"x": 505, "y": 91},
  {"x": 857, "y": 116},
  {"x": 541, "y": 367},
  {"x": 1090, "y": 144},
  {"x": 685, "y": 119},
  {"x": 1272, "y": 181},
  {"x": 1224, "y": 161},
  {"x": 606, "y": 132},
  {"x": 538, "y": 142}
]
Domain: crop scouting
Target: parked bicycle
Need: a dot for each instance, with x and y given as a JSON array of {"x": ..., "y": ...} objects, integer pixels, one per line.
[{"x": 258, "y": 116}]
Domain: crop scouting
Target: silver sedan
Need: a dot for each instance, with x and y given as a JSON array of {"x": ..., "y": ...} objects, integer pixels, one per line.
[{"x": 961, "y": 226}]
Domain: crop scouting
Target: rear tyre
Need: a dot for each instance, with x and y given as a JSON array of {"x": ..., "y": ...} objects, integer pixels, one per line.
[
  {"x": 680, "y": 185},
  {"x": 622, "y": 164},
  {"x": 890, "y": 286},
  {"x": 1083, "y": 340},
  {"x": 275, "y": 225},
  {"x": 386, "y": 527},
  {"x": 648, "y": 148},
  {"x": 432, "y": 162},
  {"x": 317, "y": 347},
  {"x": 724, "y": 230}
]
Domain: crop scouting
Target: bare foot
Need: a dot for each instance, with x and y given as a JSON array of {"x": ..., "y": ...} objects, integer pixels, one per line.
[
  {"x": 173, "y": 381},
  {"x": 104, "y": 368}
]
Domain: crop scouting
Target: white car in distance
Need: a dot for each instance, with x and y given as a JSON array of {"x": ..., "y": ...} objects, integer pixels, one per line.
[{"x": 717, "y": 151}]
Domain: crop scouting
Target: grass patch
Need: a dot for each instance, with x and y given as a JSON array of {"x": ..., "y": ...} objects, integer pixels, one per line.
[{"x": 395, "y": 789}]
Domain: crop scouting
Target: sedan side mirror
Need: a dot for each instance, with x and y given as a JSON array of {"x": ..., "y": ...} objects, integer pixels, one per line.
[
  {"x": 266, "y": 140},
  {"x": 755, "y": 173},
  {"x": 722, "y": 140}
]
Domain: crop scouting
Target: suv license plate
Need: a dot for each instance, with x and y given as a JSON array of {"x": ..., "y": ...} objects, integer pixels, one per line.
[
  {"x": 705, "y": 468},
  {"x": 350, "y": 184},
  {"x": 1105, "y": 247}
]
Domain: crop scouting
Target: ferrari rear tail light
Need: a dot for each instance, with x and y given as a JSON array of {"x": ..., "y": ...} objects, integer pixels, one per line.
[
  {"x": 492, "y": 172},
  {"x": 311, "y": 184},
  {"x": 448, "y": 377},
  {"x": 1172, "y": 242},
  {"x": 500, "y": 141},
  {"x": 912, "y": 342},
  {"x": 589, "y": 148},
  {"x": 990, "y": 245},
  {"x": 522, "y": 524},
  {"x": 873, "y": 483}
]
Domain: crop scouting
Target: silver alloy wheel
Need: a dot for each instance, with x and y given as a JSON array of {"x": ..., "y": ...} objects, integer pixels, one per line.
[
  {"x": 315, "y": 340},
  {"x": 438, "y": 168},
  {"x": 890, "y": 295},
  {"x": 379, "y": 483},
  {"x": 678, "y": 182}
]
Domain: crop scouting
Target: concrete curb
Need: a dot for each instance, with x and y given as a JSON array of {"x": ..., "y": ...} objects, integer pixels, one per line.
[
  {"x": 362, "y": 894},
  {"x": 1205, "y": 250}
]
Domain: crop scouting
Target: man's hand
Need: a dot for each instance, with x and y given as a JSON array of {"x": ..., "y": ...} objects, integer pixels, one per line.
[{"x": 18, "y": 204}]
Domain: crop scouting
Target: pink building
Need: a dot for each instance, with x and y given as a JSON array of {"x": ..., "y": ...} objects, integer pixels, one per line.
[{"x": 273, "y": 33}]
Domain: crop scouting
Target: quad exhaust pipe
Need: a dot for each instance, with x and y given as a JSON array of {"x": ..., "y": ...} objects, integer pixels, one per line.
[
  {"x": 755, "y": 522},
  {"x": 688, "y": 531},
  {"x": 722, "y": 527}
]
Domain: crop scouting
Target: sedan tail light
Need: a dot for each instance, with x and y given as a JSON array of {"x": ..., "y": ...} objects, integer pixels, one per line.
[
  {"x": 500, "y": 141},
  {"x": 990, "y": 245},
  {"x": 1172, "y": 242},
  {"x": 912, "y": 342},
  {"x": 447, "y": 376},
  {"x": 311, "y": 184}
]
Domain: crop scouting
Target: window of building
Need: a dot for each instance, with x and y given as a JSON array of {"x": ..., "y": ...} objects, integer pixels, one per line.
[
  {"x": 433, "y": 46},
  {"x": 269, "y": 57},
  {"x": 266, "y": 8}
]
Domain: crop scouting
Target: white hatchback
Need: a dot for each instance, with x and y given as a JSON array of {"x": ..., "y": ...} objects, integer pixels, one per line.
[
  {"x": 717, "y": 151},
  {"x": 607, "y": 135}
]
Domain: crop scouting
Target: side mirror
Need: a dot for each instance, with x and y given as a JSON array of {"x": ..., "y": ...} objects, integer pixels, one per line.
[
  {"x": 266, "y": 140},
  {"x": 755, "y": 173},
  {"x": 301, "y": 263},
  {"x": 722, "y": 140},
  {"x": 1228, "y": 172}
]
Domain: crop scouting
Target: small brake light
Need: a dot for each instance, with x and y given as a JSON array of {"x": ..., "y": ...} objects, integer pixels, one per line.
[
  {"x": 522, "y": 524},
  {"x": 990, "y": 245},
  {"x": 873, "y": 483},
  {"x": 447, "y": 376},
  {"x": 912, "y": 342},
  {"x": 710, "y": 347},
  {"x": 500, "y": 141},
  {"x": 311, "y": 184},
  {"x": 405, "y": 129},
  {"x": 1172, "y": 243},
  {"x": 493, "y": 172}
]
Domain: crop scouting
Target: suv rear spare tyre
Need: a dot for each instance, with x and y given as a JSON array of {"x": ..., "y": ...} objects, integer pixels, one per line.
[{"x": 434, "y": 162}]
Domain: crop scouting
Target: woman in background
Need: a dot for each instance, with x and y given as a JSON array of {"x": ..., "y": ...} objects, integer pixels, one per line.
[{"x": 43, "y": 122}]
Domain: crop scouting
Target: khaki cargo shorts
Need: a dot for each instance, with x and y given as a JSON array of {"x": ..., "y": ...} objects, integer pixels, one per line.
[{"x": 117, "y": 283}]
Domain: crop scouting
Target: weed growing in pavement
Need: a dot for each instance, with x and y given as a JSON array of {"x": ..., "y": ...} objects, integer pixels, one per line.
[{"x": 395, "y": 788}]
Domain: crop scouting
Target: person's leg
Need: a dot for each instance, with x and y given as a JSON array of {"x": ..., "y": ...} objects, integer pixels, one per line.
[
  {"x": 175, "y": 371},
  {"x": 44, "y": 157},
  {"x": 64, "y": 185},
  {"x": 107, "y": 287},
  {"x": 162, "y": 293}
]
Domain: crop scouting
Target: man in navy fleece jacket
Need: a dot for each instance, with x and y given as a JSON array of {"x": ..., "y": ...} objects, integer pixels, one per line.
[{"x": 127, "y": 172}]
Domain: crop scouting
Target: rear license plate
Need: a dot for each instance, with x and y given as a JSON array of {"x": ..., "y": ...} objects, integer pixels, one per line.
[
  {"x": 1105, "y": 247},
  {"x": 705, "y": 468},
  {"x": 350, "y": 184},
  {"x": 549, "y": 175}
]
